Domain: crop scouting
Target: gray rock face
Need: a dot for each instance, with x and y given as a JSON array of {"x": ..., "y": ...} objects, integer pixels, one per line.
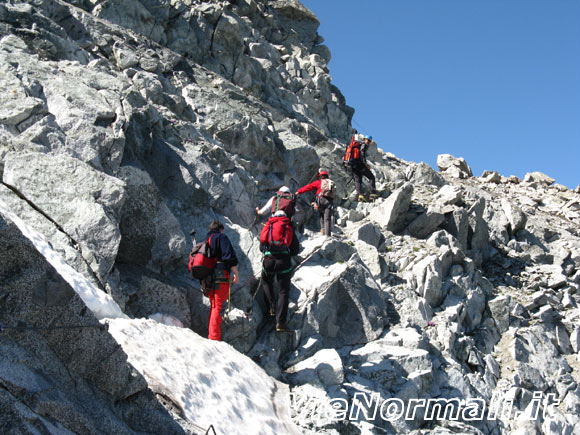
[
  {"x": 453, "y": 166},
  {"x": 538, "y": 177},
  {"x": 426, "y": 223},
  {"x": 422, "y": 173},
  {"x": 325, "y": 366},
  {"x": 449, "y": 195},
  {"x": 491, "y": 177},
  {"x": 44, "y": 372},
  {"x": 84, "y": 202},
  {"x": 391, "y": 213},
  {"x": 515, "y": 216},
  {"x": 458, "y": 226},
  {"x": 150, "y": 233},
  {"x": 479, "y": 229},
  {"x": 345, "y": 310},
  {"x": 368, "y": 233},
  {"x": 428, "y": 275},
  {"x": 126, "y": 124}
]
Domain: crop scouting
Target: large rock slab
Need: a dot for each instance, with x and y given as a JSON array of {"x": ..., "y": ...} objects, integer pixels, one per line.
[
  {"x": 515, "y": 215},
  {"x": 85, "y": 203},
  {"x": 150, "y": 234},
  {"x": 456, "y": 167},
  {"x": 426, "y": 223},
  {"x": 368, "y": 233},
  {"x": 422, "y": 173},
  {"x": 341, "y": 303},
  {"x": 16, "y": 105},
  {"x": 458, "y": 226},
  {"x": 427, "y": 278},
  {"x": 539, "y": 177},
  {"x": 391, "y": 213},
  {"x": 325, "y": 367},
  {"x": 479, "y": 229},
  {"x": 55, "y": 353}
]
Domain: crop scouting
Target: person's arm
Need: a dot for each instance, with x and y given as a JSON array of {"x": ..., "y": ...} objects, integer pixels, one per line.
[
  {"x": 312, "y": 186},
  {"x": 267, "y": 208},
  {"x": 234, "y": 275},
  {"x": 363, "y": 152}
]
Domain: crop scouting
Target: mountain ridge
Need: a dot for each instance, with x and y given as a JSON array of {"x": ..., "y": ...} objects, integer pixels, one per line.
[{"x": 125, "y": 124}]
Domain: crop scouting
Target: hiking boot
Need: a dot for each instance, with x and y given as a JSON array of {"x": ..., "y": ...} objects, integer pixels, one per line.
[
  {"x": 271, "y": 312},
  {"x": 322, "y": 231},
  {"x": 373, "y": 196},
  {"x": 283, "y": 327},
  {"x": 361, "y": 198}
]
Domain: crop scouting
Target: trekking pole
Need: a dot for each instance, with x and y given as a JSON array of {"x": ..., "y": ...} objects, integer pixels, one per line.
[{"x": 229, "y": 298}]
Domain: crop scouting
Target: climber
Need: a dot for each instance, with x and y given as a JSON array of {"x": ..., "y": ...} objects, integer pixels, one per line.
[
  {"x": 226, "y": 273},
  {"x": 355, "y": 160},
  {"x": 283, "y": 200},
  {"x": 325, "y": 192},
  {"x": 279, "y": 243}
]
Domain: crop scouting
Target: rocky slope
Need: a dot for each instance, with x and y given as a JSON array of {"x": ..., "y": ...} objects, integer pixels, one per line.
[{"x": 124, "y": 124}]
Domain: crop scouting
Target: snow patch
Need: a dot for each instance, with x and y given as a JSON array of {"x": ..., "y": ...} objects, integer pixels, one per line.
[
  {"x": 210, "y": 381},
  {"x": 100, "y": 303}
]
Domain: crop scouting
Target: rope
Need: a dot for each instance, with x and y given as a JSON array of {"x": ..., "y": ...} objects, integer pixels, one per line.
[
  {"x": 49, "y": 328},
  {"x": 202, "y": 430},
  {"x": 251, "y": 279}
]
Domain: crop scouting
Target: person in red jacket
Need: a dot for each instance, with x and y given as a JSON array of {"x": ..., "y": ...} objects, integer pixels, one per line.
[
  {"x": 324, "y": 199},
  {"x": 226, "y": 273}
]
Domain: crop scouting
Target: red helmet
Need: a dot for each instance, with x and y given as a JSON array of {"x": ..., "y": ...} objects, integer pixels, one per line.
[{"x": 321, "y": 173}]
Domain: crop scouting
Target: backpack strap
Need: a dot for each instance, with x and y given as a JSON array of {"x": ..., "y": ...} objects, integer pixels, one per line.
[{"x": 269, "y": 238}]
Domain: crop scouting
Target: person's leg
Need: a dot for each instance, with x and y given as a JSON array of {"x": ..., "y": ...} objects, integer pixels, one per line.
[
  {"x": 357, "y": 176},
  {"x": 268, "y": 284},
  {"x": 283, "y": 293},
  {"x": 321, "y": 218},
  {"x": 371, "y": 177},
  {"x": 217, "y": 298},
  {"x": 327, "y": 220}
]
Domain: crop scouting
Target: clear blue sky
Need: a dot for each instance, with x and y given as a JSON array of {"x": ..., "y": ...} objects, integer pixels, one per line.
[{"x": 494, "y": 81}]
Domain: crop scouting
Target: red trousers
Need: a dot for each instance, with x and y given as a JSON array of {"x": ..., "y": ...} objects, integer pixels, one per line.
[{"x": 217, "y": 298}]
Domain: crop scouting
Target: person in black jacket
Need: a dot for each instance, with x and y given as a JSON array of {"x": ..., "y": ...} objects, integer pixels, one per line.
[
  {"x": 360, "y": 168},
  {"x": 278, "y": 265},
  {"x": 226, "y": 273}
]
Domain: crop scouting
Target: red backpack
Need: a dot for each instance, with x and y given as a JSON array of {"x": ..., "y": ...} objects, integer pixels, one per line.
[
  {"x": 277, "y": 234},
  {"x": 284, "y": 201},
  {"x": 201, "y": 263},
  {"x": 352, "y": 151}
]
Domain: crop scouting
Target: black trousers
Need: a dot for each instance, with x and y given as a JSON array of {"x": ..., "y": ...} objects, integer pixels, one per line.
[
  {"x": 280, "y": 268},
  {"x": 325, "y": 208},
  {"x": 360, "y": 171}
]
